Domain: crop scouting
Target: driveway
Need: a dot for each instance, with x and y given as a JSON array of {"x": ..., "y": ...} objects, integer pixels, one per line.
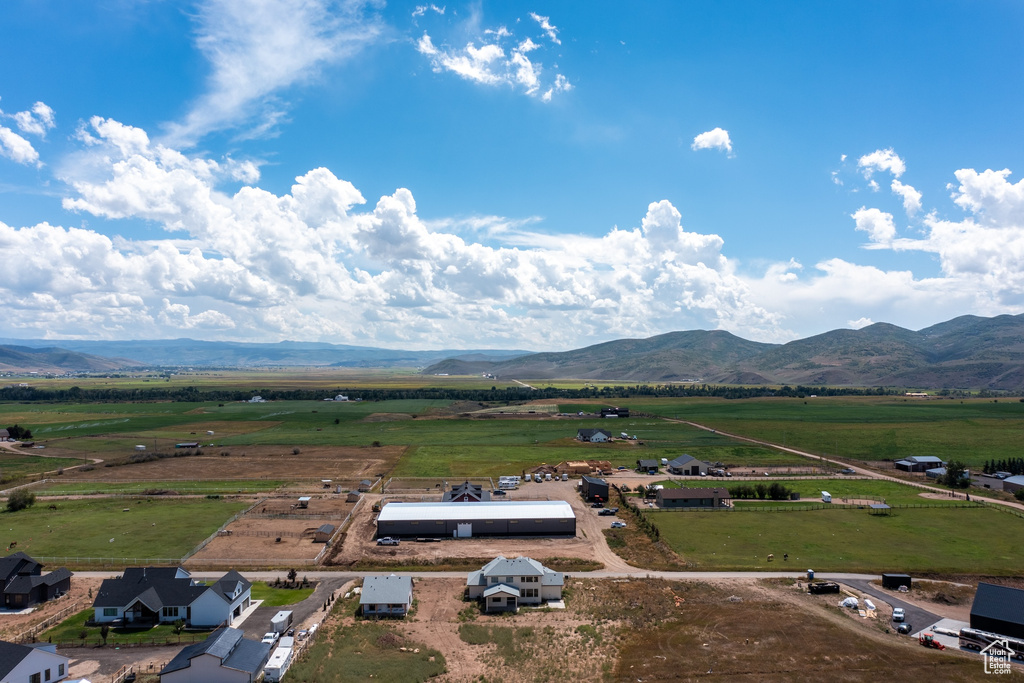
[
  {"x": 918, "y": 618},
  {"x": 258, "y": 622}
]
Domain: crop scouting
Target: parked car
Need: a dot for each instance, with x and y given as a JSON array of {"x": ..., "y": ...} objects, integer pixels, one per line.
[
  {"x": 622, "y": 467},
  {"x": 606, "y": 512},
  {"x": 849, "y": 470},
  {"x": 899, "y": 614},
  {"x": 498, "y": 492},
  {"x": 618, "y": 525},
  {"x": 904, "y": 628},
  {"x": 387, "y": 540},
  {"x": 598, "y": 504}
]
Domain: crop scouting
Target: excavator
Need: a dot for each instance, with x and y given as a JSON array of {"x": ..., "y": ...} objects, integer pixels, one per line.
[{"x": 928, "y": 640}]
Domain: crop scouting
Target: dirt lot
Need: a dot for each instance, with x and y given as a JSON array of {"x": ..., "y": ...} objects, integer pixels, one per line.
[
  {"x": 255, "y": 535},
  {"x": 13, "y": 624},
  {"x": 589, "y": 543},
  {"x": 255, "y": 462}
]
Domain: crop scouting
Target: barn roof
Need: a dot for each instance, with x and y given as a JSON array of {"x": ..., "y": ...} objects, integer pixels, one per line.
[{"x": 535, "y": 509}]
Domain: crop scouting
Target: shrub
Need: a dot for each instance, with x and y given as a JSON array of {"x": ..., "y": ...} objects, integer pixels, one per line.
[
  {"x": 20, "y": 500},
  {"x": 1019, "y": 495}
]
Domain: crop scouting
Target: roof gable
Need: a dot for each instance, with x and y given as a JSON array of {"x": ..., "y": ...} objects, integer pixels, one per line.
[{"x": 11, "y": 655}]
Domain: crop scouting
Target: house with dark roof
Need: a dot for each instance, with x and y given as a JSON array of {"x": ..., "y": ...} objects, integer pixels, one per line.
[
  {"x": 36, "y": 662},
  {"x": 688, "y": 465},
  {"x": 157, "y": 595},
  {"x": 593, "y": 489},
  {"x": 466, "y": 493},
  {"x": 919, "y": 463},
  {"x": 386, "y": 596},
  {"x": 224, "y": 657},
  {"x": 998, "y": 609},
  {"x": 505, "y": 584},
  {"x": 693, "y": 498},
  {"x": 650, "y": 466},
  {"x": 593, "y": 435},
  {"x": 24, "y": 584}
]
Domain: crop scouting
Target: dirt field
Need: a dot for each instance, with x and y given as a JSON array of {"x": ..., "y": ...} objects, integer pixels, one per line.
[
  {"x": 255, "y": 535},
  {"x": 13, "y": 624},
  {"x": 255, "y": 462},
  {"x": 589, "y": 543}
]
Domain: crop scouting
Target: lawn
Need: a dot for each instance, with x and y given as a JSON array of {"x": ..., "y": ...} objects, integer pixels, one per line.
[
  {"x": 278, "y": 597},
  {"x": 979, "y": 540},
  {"x": 101, "y": 528},
  {"x": 363, "y": 651},
  {"x": 72, "y": 630}
]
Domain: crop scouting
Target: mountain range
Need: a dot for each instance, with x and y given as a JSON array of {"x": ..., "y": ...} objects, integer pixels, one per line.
[{"x": 968, "y": 352}]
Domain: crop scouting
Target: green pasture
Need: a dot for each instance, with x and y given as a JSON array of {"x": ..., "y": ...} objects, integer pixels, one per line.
[
  {"x": 192, "y": 487},
  {"x": 100, "y": 528},
  {"x": 976, "y": 540},
  {"x": 366, "y": 650},
  {"x": 864, "y": 428},
  {"x": 15, "y": 465}
]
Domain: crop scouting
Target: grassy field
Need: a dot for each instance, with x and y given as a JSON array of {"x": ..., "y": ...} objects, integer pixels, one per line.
[
  {"x": 99, "y": 528},
  {"x": 15, "y": 466},
  {"x": 850, "y": 489},
  {"x": 864, "y": 428},
  {"x": 363, "y": 651},
  {"x": 278, "y": 597},
  {"x": 933, "y": 540}
]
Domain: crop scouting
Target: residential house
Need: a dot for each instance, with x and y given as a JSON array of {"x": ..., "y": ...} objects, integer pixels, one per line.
[
  {"x": 23, "y": 583},
  {"x": 688, "y": 465},
  {"x": 998, "y": 609},
  {"x": 648, "y": 466},
  {"x": 466, "y": 493},
  {"x": 36, "y": 663},
  {"x": 594, "y": 489},
  {"x": 919, "y": 463},
  {"x": 166, "y": 594},
  {"x": 593, "y": 435},
  {"x": 505, "y": 584},
  {"x": 224, "y": 657},
  {"x": 692, "y": 498},
  {"x": 386, "y": 596}
]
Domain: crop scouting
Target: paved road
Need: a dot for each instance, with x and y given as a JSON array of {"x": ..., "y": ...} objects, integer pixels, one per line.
[{"x": 918, "y": 618}]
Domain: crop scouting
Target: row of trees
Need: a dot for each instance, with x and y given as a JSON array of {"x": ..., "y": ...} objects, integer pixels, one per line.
[
  {"x": 19, "y": 433},
  {"x": 1014, "y": 466},
  {"x": 773, "y": 491}
]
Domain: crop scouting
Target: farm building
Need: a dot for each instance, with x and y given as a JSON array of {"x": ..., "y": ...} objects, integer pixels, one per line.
[
  {"x": 919, "y": 463},
  {"x": 595, "y": 489},
  {"x": 386, "y": 596},
  {"x": 466, "y": 493},
  {"x": 353, "y": 497},
  {"x": 224, "y": 657},
  {"x": 520, "y": 518},
  {"x": 365, "y": 485},
  {"x": 894, "y": 581},
  {"x": 1013, "y": 484},
  {"x": 37, "y": 662},
  {"x": 5, "y": 435},
  {"x": 323, "y": 534},
  {"x": 648, "y": 466},
  {"x": 614, "y": 412},
  {"x": 593, "y": 435},
  {"x": 23, "y": 583},
  {"x": 692, "y": 498},
  {"x": 998, "y": 609},
  {"x": 687, "y": 465},
  {"x": 505, "y": 584},
  {"x": 940, "y": 472}
]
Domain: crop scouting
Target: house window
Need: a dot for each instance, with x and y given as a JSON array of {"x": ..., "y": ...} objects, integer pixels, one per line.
[
  {"x": 35, "y": 678},
  {"x": 494, "y": 579},
  {"x": 110, "y": 611},
  {"x": 170, "y": 612},
  {"x": 47, "y": 675},
  {"x": 60, "y": 669}
]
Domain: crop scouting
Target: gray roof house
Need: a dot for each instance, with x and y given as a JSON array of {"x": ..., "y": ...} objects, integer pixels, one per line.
[
  {"x": 466, "y": 493},
  {"x": 593, "y": 435},
  {"x": 505, "y": 584},
  {"x": 166, "y": 594},
  {"x": 224, "y": 657},
  {"x": 36, "y": 662},
  {"x": 687, "y": 465},
  {"x": 386, "y": 596}
]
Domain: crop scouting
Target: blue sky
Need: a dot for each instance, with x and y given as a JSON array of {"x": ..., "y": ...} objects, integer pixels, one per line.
[{"x": 527, "y": 175}]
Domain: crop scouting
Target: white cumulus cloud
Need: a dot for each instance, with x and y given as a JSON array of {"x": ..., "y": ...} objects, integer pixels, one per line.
[
  {"x": 716, "y": 138},
  {"x": 911, "y": 197},
  {"x": 877, "y": 224},
  {"x": 882, "y": 160}
]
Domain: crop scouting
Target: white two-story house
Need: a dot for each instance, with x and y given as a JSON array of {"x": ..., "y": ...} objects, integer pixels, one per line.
[{"x": 505, "y": 584}]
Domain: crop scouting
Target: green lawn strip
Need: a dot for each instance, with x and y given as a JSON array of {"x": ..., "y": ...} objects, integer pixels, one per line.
[
  {"x": 99, "y": 528},
  {"x": 193, "y": 487},
  {"x": 365, "y": 650},
  {"x": 935, "y": 540},
  {"x": 73, "y": 628},
  {"x": 278, "y": 597}
]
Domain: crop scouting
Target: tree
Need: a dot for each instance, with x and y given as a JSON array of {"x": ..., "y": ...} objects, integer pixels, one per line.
[
  {"x": 955, "y": 477},
  {"x": 19, "y": 433},
  {"x": 179, "y": 626},
  {"x": 20, "y": 500},
  {"x": 1019, "y": 495},
  {"x": 291, "y": 575},
  {"x": 104, "y": 632}
]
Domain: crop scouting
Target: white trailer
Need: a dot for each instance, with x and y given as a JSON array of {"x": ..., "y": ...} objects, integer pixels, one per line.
[
  {"x": 277, "y": 665},
  {"x": 826, "y": 497},
  {"x": 281, "y": 621}
]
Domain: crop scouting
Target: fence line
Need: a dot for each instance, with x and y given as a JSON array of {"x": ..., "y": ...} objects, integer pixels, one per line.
[
  {"x": 28, "y": 635},
  {"x": 814, "y": 506},
  {"x": 337, "y": 531},
  {"x": 222, "y": 527}
]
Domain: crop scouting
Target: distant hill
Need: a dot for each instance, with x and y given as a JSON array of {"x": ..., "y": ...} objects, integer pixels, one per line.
[
  {"x": 56, "y": 360},
  {"x": 195, "y": 353},
  {"x": 968, "y": 352}
]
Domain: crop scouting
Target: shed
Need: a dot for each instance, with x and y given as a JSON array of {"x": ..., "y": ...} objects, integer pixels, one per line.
[
  {"x": 918, "y": 463},
  {"x": 998, "y": 609},
  {"x": 649, "y": 466},
  {"x": 323, "y": 534},
  {"x": 595, "y": 489},
  {"x": 353, "y": 497},
  {"x": 686, "y": 464},
  {"x": 365, "y": 485},
  {"x": 894, "y": 581}
]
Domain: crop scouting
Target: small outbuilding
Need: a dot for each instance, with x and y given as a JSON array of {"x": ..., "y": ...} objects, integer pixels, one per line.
[
  {"x": 693, "y": 498},
  {"x": 353, "y": 497},
  {"x": 323, "y": 534},
  {"x": 998, "y": 609},
  {"x": 386, "y": 596},
  {"x": 894, "y": 581},
  {"x": 365, "y": 485},
  {"x": 594, "y": 489},
  {"x": 648, "y": 466}
]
